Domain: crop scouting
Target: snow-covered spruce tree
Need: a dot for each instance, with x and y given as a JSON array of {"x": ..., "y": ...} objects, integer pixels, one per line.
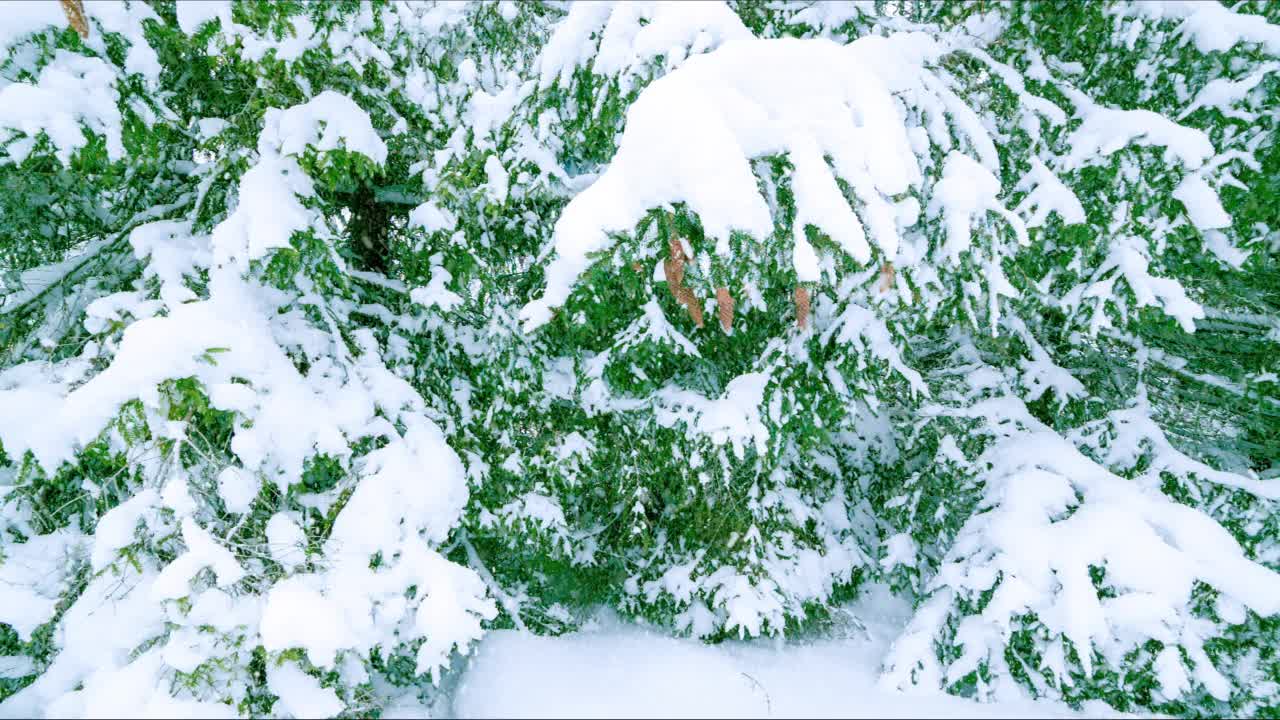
[
  {"x": 1025, "y": 485},
  {"x": 1153, "y": 400},
  {"x": 220, "y": 499},
  {"x": 336, "y": 332}
]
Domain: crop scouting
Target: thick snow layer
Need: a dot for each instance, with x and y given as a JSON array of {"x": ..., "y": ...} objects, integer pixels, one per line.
[
  {"x": 71, "y": 90},
  {"x": 1107, "y": 130},
  {"x": 270, "y": 209},
  {"x": 33, "y": 575},
  {"x": 634, "y": 33},
  {"x": 1211, "y": 25},
  {"x": 1222, "y": 93},
  {"x": 734, "y": 418},
  {"x": 618, "y": 670},
  {"x": 301, "y": 694},
  {"x": 407, "y": 496},
  {"x": 23, "y": 18},
  {"x": 327, "y": 121},
  {"x": 1202, "y": 203},
  {"x": 112, "y": 616},
  {"x": 1049, "y": 195},
  {"x": 192, "y": 15},
  {"x": 691, "y": 135},
  {"x": 1051, "y": 514}
]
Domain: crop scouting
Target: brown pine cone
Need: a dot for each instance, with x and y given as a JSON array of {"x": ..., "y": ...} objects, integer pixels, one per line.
[
  {"x": 74, "y": 10},
  {"x": 686, "y": 297},
  {"x": 724, "y": 301},
  {"x": 802, "y": 307},
  {"x": 887, "y": 274}
]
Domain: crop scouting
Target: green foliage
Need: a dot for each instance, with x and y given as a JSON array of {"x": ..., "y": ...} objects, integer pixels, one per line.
[{"x": 589, "y": 480}]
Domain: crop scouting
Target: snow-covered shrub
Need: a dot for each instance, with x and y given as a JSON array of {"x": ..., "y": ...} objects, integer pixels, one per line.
[{"x": 332, "y": 334}]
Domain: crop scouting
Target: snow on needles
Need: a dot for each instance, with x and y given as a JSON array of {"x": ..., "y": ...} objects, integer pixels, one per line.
[
  {"x": 634, "y": 33},
  {"x": 1053, "y": 515},
  {"x": 72, "y": 92},
  {"x": 1212, "y": 26},
  {"x": 690, "y": 137},
  {"x": 72, "y": 89},
  {"x": 405, "y": 496}
]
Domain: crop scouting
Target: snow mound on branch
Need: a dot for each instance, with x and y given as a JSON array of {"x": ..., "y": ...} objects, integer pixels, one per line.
[
  {"x": 33, "y": 576},
  {"x": 24, "y": 18},
  {"x": 1129, "y": 258},
  {"x": 691, "y": 135},
  {"x": 633, "y": 34},
  {"x": 1107, "y": 130},
  {"x": 1222, "y": 93},
  {"x": 290, "y": 46},
  {"x": 1212, "y": 26},
  {"x": 193, "y": 15},
  {"x": 1047, "y": 194},
  {"x": 1202, "y": 203},
  {"x": 115, "y": 613},
  {"x": 733, "y": 419},
  {"x": 306, "y": 414},
  {"x": 328, "y": 121},
  {"x": 270, "y": 210},
  {"x": 301, "y": 695},
  {"x": 72, "y": 92}
]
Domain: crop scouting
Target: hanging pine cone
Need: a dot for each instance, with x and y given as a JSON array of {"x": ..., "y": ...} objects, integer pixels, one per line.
[
  {"x": 74, "y": 10},
  {"x": 686, "y": 297},
  {"x": 887, "y": 274},
  {"x": 802, "y": 307},
  {"x": 673, "y": 268},
  {"x": 724, "y": 302}
]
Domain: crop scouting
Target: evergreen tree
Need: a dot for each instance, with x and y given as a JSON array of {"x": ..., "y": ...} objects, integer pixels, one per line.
[{"x": 333, "y": 334}]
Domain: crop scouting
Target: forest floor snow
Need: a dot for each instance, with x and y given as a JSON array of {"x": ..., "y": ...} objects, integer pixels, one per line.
[{"x": 615, "y": 669}]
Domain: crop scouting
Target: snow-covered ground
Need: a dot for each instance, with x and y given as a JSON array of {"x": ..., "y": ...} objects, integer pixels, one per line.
[{"x": 615, "y": 669}]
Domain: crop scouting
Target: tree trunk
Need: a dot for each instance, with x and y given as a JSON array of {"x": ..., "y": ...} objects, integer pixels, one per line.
[{"x": 369, "y": 231}]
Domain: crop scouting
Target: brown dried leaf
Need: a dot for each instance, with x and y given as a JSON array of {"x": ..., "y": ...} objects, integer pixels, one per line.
[{"x": 802, "y": 307}]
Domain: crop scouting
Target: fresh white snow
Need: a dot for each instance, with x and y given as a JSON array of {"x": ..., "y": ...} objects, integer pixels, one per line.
[
  {"x": 616, "y": 669},
  {"x": 876, "y": 114}
]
